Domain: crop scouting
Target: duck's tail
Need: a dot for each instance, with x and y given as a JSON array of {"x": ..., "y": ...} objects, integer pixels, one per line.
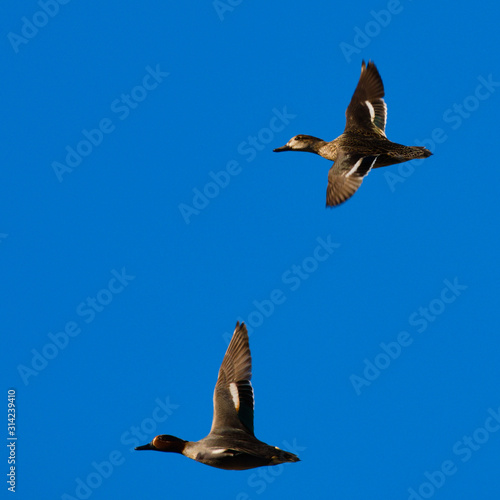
[
  {"x": 284, "y": 456},
  {"x": 420, "y": 152}
]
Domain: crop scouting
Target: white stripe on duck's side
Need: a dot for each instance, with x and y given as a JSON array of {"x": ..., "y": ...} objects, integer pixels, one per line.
[{"x": 218, "y": 451}]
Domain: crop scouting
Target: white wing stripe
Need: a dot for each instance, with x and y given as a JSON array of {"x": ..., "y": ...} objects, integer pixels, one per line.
[
  {"x": 357, "y": 165},
  {"x": 353, "y": 169},
  {"x": 233, "y": 388},
  {"x": 371, "y": 109}
]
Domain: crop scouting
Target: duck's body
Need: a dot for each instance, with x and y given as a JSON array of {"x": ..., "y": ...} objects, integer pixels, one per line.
[
  {"x": 388, "y": 152},
  {"x": 236, "y": 450},
  {"x": 363, "y": 145},
  {"x": 231, "y": 443}
]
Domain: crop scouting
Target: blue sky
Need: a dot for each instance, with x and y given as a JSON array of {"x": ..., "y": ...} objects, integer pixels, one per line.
[{"x": 144, "y": 213}]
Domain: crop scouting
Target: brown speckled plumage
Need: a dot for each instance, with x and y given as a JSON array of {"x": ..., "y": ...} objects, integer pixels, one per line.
[{"x": 363, "y": 145}]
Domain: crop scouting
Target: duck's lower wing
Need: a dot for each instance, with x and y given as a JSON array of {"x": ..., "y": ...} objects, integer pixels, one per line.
[{"x": 346, "y": 175}]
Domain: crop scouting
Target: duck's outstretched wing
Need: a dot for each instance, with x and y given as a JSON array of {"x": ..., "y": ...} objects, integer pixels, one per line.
[
  {"x": 367, "y": 110},
  {"x": 233, "y": 395},
  {"x": 346, "y": 175}
]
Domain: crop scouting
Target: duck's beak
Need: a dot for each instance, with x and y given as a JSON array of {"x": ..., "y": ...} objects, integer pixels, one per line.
[
  {"x": 148, "y": 446},
  {"x": 286, "y": 147}
]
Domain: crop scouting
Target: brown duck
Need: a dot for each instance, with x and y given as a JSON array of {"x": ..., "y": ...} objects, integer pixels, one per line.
[{"x": 363, "y": 145}]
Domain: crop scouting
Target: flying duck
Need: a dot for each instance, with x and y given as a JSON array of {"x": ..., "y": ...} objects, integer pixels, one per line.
[
  {"x": 363, "y": 145},
  {"x": 231, "y": 443}
]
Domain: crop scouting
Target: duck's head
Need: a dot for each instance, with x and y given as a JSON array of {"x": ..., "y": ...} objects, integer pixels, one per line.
[
  {"x": 165, "y": 443},
  {"x": 301, "y": 142}
]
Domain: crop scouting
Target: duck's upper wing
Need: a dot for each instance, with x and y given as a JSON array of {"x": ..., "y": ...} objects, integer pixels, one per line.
[
  {"x": 346, "y": 175},
  {"x": 233, "y": 395},
  {"x": 367, "y": 109}
]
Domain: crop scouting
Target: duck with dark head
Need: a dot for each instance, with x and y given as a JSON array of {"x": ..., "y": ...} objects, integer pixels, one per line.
[{"x": 231, "y": 443}]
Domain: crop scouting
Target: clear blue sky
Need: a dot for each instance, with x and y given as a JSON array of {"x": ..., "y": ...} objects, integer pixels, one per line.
[{"x": 144, "y": 212}]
